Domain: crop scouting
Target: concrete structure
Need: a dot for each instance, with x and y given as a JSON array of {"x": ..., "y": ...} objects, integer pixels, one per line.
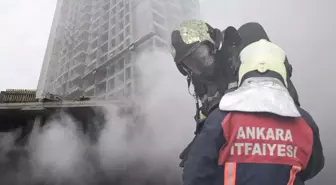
[{"x": 93, "y": 43}]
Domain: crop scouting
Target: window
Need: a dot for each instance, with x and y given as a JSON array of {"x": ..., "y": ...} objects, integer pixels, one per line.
[
  {"x": 121, "y": 24},
  {"x": 128, "y": 89},
  {"x": 128, "y": 73},
  {"x": 121, "y": 36},
  {"x": 111, "y": 70},
  {"x": 67, "y": 65},
  {"x": 113, "y": 43},
  {"x": 113, "y": 21},
  {"x": 118, "y": 28},
  {"x": 146, "y": 45},
  {"x": 106, "y": 7},
  {"x": 103, "y": 59},
  {"x": 121, "y": 14},
  {"x": 104, "y": 48},
  {"x": 159, "y": 43},
  {"x": 105, "y": 27},
  {"x": 120, "y": 79},
  {"x": 128, "y": 42},
  {"x": 114, "y": 10},
  {"x": 127, "y": 19},
  {"x": 89, "y": 93},
  {"x": 128, "y": 59},
  {"x": 120, "y": 93},
  {"x": 106, "y": 16},
  {"x": 111, "y": 96},
  {"x": 127, "y": 9},
  {"x": 96, "y": 15},
  {"x": 158, "y": 19},
  {"x": 120, "y": 48},
  {"x": 104, "y": 38},
  {"x": 158, "y": 7},
  {"x": 160, "y": 32},
  {"x": 111, "y": 84},
  {"x": 113, "y": 31},
  {"x": 121, "y": 63},
  {"x": 95, "y": 24},
  {"x": 121, "y": 5},
  {"x": 93, "y": 55},
  {"x": 95, "y": 33},
  {"x": 128, "y": 30}
]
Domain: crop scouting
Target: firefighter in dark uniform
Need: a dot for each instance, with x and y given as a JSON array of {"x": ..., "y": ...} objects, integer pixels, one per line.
[{"x": 257, "y": 134}]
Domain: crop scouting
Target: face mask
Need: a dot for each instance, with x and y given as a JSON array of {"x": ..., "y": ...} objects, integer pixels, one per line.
[{"x": 200, "y": 62}]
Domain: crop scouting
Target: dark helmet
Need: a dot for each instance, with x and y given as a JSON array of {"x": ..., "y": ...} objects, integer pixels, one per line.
[
  {"x": 202, "y": 53},
  {"x": 195, "y": 45}
]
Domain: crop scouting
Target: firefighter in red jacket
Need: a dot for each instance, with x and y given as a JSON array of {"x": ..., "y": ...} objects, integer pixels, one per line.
[{"x": 257, "y": 135}]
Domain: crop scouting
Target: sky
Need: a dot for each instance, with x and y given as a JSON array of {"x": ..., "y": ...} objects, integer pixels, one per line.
[
  {"x": 25, "y": 27},
  {"x": 303, "y": 28}
]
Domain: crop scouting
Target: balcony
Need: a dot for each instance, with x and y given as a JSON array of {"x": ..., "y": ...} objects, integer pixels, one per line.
[
  {"x": 82, "y": 46},
  {"x": 105, "y": 27},
  {"x": 76, "y": 79},
  {"x": 106, "y": 16},
  {"x": 84, "y": 35},
  {"x": 100, "y": 76},
  {"x": 103, "y": 39},
  {"x": 89, "y": 92},
  {"x": 89, "y": 70},
  {"x": 87, "y": 7},
  {"x": 95, "y": 34},
  {"x": 96, "y": 15},
  {"x": 75, "y": 91},
  {"x": 159, "y": 19},
  {"x": 88, "y": 82},
  {"x": 93, "y": 56},
  {"x": 80, "y": 56},
  {"x": 85, "y": 26},
  {"x": 103, "y": 59},
  {"x": 100, "y": 89},
  {"x": 86, "y": 17},
  {"x": 158, "y": 8},
  {"x": 78, "y": 68}
]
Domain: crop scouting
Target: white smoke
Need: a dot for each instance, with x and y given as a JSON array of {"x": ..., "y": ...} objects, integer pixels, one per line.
[
  {"x": 163, "y": 102},
  {"x": 58, "y": 151},
  {"x": 141, "y": 148}
]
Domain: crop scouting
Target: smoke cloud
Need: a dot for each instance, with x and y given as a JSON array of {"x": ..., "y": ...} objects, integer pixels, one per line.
[{"x": 141, "y": 148}]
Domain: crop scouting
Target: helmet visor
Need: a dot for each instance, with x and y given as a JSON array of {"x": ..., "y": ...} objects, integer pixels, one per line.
[{"x": 200, "y": 61}]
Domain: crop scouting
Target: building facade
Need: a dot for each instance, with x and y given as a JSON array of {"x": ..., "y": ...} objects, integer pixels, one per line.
[{"x": 93, "y": 43}]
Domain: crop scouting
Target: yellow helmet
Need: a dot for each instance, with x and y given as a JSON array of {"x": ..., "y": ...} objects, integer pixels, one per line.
[{"x": 262, "y": 56}]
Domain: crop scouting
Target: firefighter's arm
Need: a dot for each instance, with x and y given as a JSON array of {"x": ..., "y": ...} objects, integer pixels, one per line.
[
  {"x": 202, "y": 163},
  {"x": 317, "y": 160}
]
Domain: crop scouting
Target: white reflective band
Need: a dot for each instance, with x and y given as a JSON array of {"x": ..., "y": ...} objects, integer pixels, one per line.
[{"x": 230, "y": 174}]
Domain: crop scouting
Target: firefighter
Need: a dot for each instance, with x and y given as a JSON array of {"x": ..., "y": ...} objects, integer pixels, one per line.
[
  {"x": 258, "y": 134},
  {"x": 206, "y": 56}
]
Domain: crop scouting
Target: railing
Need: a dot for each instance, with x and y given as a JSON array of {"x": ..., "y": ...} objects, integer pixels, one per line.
[{"x": 17, "y": 95}]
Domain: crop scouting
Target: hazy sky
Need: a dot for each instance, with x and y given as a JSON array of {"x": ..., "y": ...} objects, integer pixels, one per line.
[
  {"x": 25, "y": 27},
  {"x": 304, "y": 28}
]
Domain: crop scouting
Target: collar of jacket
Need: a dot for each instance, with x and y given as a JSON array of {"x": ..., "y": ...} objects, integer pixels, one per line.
[{"x": 260, "y": 95}]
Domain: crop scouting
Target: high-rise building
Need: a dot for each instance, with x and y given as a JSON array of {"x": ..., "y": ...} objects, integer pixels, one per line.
[{"x": 93, "y": 43}]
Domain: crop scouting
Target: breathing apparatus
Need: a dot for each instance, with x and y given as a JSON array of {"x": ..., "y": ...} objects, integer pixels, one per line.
[{"x": 206, "y": 56}]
